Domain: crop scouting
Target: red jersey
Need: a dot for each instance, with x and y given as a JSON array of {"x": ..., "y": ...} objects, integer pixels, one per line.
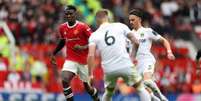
[{"x": 77, "y": 34}]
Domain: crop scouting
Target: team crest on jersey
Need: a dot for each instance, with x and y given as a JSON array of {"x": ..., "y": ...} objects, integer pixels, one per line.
[
  {"x": 76, "y": 32},
  {"x": 142, "y": 40},
  {"x": 65, "y": 33},
  {"x": 142, "y": 34}
]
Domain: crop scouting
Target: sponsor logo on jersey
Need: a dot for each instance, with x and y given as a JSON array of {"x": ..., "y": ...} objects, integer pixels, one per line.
[
  {"x": 142, "y": 40},
  {"x": 142, "y": 34}
]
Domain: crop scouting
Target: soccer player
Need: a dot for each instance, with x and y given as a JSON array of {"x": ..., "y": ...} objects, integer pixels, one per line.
[
  {"x": 145, "y": 59},
  {"x": 110, "y": 40},
  {"x": 74, "y": 35}
]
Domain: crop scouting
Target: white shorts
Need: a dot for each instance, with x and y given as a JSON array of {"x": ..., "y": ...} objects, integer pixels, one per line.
[
  {"x": 129, "y": 75},
  {"x": 79, "y": 69},
  {"x": 145, "y": 66}
]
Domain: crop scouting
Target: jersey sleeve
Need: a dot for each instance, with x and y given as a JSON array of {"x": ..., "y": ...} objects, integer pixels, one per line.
[
  {"x": 198, "y": 55},
  {"x": 93, "y": 39},
  {"x": 153, "y": 35},
  {"x": 126, "y": 29},
  {"x": 87, "y": 30}
]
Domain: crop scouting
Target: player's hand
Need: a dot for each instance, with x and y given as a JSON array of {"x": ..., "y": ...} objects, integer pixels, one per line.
[
  {"x": 170, "y": 56},
  {"x": 53, "y": 59},
  {"x": 91, "y": 78},
  {"x": 79, "y": 47},
  {"x": 135, "y": 61}
]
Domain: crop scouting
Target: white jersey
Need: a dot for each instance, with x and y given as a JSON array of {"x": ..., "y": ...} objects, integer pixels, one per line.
[
  {"x": 110, "y": 40},
  {"x": 145, "y": 37}
]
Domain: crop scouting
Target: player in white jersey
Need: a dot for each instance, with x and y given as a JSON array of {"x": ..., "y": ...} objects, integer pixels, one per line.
[
  {"x": 109, "y": 39},
  {"x": 145, "y": 59}
]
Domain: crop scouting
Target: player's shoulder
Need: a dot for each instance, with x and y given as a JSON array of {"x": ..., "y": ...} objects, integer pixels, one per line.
[
  {"x": 119, "y": 24},
  {"x": 94, "y": 36},
  {"x": 84, "y": 26},
  {"x": 95, "y": 33},
  {"x": 147, "y": 29},
  {"x": 62, "y": 25}
]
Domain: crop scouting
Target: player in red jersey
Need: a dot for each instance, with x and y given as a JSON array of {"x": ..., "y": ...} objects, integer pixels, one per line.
[{"x": 74, "y": 35}]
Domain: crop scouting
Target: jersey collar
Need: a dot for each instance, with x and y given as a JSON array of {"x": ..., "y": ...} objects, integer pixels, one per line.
[
  {"x": 76, "y": 22},
  {"x": 103, "y": 24},
  {"x": 140, "y": 28}
]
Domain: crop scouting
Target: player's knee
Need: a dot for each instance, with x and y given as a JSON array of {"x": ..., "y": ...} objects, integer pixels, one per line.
[
  {"x": 147, "y": 75},
  {"x": 67, "y": 76},
  {"x": 65, "y": 80}
]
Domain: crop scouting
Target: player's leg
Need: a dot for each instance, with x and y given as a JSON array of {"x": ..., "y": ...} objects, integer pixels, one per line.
[
  {"x": 110, "y": 83},
  {"x": 153, "y": 97},
  {"x": 107, "y": 96},
  {"x": 92, "y": 91},
  {"x": 148, "y": 81},
  {"x": 69, "y": 70},
  {"x": 66, "y": 78},
  {"x": 135, "y": 80},
  {"x": 143, "y": 67}
]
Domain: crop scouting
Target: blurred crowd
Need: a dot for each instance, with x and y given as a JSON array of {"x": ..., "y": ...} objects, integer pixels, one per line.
[{"x": 34, "y": 25}]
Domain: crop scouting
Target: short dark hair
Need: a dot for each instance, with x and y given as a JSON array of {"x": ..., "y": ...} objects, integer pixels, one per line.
[
  {"x": 137, "y": 12},
  {"x": 70, "y": 7}
]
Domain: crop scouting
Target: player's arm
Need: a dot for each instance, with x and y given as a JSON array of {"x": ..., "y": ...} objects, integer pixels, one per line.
[
  {"x": 197, "y": 59},
  {"x": 91, "y": 57},
  {"x": 135, "y": 43},
  {"x": 59, "y": 46},
  {"x": 166, "y": 44},
  {"x": 156, "y": 37},
  {"x": 80, "y": 47}
]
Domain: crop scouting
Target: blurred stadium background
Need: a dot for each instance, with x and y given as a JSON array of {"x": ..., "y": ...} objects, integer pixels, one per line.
[{"x": 28, "y": 34}]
